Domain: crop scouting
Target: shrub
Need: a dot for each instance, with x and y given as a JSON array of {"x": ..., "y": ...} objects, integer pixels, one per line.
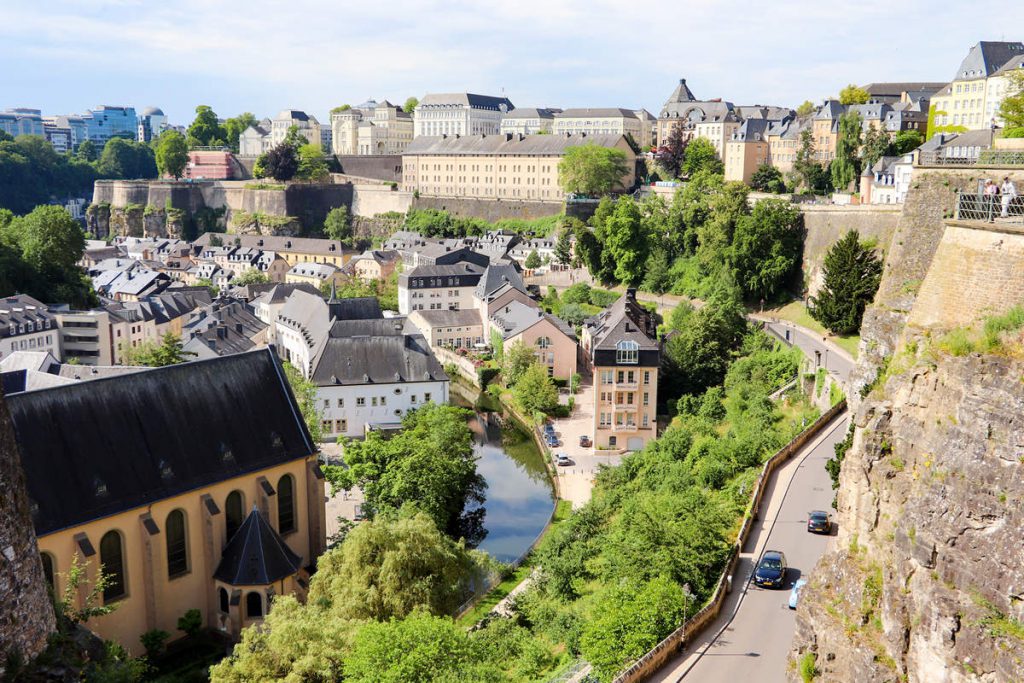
[
  {"x": 486, "y": 375},
  {"x": 191, "y": 622},
  {"x": 153, "y": 640},
  {"x": 808, "y": 667}
]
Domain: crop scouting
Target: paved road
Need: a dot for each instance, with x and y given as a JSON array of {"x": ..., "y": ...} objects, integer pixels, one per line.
[
  {"x": 750, "y": 640},
  {"x": 835, "y": 359}
]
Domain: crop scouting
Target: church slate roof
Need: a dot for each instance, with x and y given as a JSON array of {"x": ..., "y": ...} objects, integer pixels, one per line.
[
  {"x": 376, "y": 360},
  {"x": 98, "y": 448},
  {"x": 256, "y": 555}
]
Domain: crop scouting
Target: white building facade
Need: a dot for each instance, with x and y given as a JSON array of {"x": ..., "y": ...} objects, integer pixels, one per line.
[{"x": 460, "y": 114}]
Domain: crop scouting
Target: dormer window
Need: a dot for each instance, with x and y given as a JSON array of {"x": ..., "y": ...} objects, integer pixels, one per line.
[{"x": 627, "y": 352}]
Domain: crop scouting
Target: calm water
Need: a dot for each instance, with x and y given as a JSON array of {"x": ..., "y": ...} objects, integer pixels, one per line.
[{"x": 520, "y": 496}]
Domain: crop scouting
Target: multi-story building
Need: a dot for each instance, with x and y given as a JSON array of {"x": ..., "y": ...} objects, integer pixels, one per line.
[
  {"x": 438, "y": 288},
  {"x": 187, "y": 495},
  {"x": 306, "y": 124},
  {"x": 553, "y": 341},
  {"x": 499, "y": 166},
  {"x": 716, "y": 122},
  {"x": 59, "y": 138},
  {"x": 256, "y": 139},
  {"x": 784, "y": 141},
  {"x": 968, "y": 102},
  {"x": 27, "y": 325},
  {"x": 375, "y": 265},
  {"x": 267, "y": 305},
  {"x": 674, "y": 111},
  {"x": 76, "y": 124},
  {"x": 601, "y": 121},
  {"x": 305, "y": 319},
  {"x": 316, "y": 274},
  {"x": 106, "y": 121},
  {"x": 623, "y": 351},
  {"x": 371, "y": 128},
  {"x": 528, "y": 121},
  {"x": 747, "y": 150},
  {"x": 648, "y": 129},
  {"x": 998, "y": 86},
  {"x": 370, "y": 373},
  {"x": 85, "y": 335},
  {"x": 22, "y": 121},
  {"x": 459, "y": 114},
  {"x": 825, "y": 128},
  {"x": 458, "y": 329},
  {"x": 293, "y": 250},
  {"x": 152, "y": 123}
]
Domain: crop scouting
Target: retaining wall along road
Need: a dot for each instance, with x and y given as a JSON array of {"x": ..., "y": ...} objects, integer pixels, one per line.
[{"x": 670, "y": 646}]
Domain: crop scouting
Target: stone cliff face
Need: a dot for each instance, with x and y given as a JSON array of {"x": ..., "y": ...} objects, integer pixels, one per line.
[{"x": 925, "y": 580}]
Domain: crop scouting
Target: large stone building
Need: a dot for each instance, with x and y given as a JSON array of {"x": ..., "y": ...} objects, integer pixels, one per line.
[
  {"x": 306, "y": 124},
  {"x": 624, "y": 354},
  {"x": 971, "y": 101},
  {"x": 600, "y": 121},
  {"x": 371, "y": 128},
  {"x": 460, "y": 114},
  {"x": 528, "y": 121},
  {"x": 214, "y": 503},
  {"x": 27, "y": 325},
  {"x": 498, "y": 166}
]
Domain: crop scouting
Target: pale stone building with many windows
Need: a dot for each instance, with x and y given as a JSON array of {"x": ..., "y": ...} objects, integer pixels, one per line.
[
  {"x": 460, "y": 114},
  {"x": 371, "y": 128},
  {"x": 971, "y": 101},
  {"x": 601, "y": 121}
]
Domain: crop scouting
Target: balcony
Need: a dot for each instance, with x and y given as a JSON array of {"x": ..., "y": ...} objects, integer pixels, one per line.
[
  {"x": 627, "y": 386},
  {"x": 989, "y": 209}
]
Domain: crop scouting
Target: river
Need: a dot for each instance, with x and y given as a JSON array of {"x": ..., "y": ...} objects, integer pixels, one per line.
[{"x": 519, "y": 493}]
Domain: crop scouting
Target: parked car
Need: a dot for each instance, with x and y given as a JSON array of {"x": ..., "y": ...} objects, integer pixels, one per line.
[
  {"x": 794, "y": 595},
  {"x": 549, "y": 429},
  {"x": 563, "y": 460},
  {"x": 819, "y": 522},
  {"x": 552, "y": 441},
  {"x": 585, "y": 441},
  {"x": 771, "y": 570}
]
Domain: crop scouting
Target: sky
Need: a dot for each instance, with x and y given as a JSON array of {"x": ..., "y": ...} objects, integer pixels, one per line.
[{"x": 261, "y": 56}]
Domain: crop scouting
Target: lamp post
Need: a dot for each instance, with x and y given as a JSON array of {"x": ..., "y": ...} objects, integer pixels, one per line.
[{"x": 687, "y": 595}]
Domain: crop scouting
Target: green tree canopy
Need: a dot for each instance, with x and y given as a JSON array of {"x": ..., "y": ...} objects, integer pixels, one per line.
[
  {"x": 235, "y": 126},
  {"x": 766, "y": 247},
  {"x": 845, "y": 167},
  {"x": 907, "y": 141},
  {"x": 305, "y": 395},
  {"x": 625, "y": 241},
  {"x": 535, "y": 391},
  {"x": 410, "y": 105},
  {"x": 294, "y": 138},
  {"x": 516, "y": 359},
  {"x": 592, "y": 170},
  {"x": 429, "y": 464},
  {"x": 252, "y": 276},
  {"x": 853, "y": 94},
  {"x": 341, "y": 108},
  {"x": 563, "y": 245},
  {"x": 312, "y": 165},
  {"x": 532, "y": 260},
  {"x": 87, "y": 151},
  {"x": 205, "y": 130},
  {"x": 805, "y": 109},
  {"x": 767, "y": 178},
  {"x": 1011, "y": 111},
  {"x": 875, "y": 146},
  {"x": 168, "y": 352},
  {"x": 852, "y": 273},
  {"x": 126, "y": 159},
  {"x": 701, "y": 156},
  {"x": 280, "y": 162},
  {"x": 172, "y": 154},
  {"x": 338, "y": 225},
  {"x": 657, "y": 272},
  {"x": 700, "y": 354}
]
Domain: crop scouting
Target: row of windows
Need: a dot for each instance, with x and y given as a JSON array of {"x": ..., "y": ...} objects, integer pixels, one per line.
[
  {"x": 23, "y": 328},
  {"x": 112, "y": 550},
  {"x": 32, "y": 343},
  {"x": 623, "y": 376}
]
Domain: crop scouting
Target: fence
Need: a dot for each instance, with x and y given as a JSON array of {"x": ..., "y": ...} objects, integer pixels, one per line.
[
  {"x": 989, "y": 208},
  {"x": 972, "y": 156},
  {"x": 667, "y": 648}
]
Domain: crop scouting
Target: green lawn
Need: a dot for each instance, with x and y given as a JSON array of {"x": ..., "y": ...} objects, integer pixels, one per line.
[
  {"x": 796, "y": 312},
  {"x": 562, "y": 511}
]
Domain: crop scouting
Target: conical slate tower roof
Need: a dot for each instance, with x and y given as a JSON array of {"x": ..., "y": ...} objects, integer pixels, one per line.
[
  {"x": 256, "y": 555},
  {"x": 681, "y": 94}
]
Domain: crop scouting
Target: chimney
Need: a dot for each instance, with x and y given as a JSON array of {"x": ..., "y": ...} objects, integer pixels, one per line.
[
  {"x": 238, "y": 328},
  {"x": 631, "y": 294}
]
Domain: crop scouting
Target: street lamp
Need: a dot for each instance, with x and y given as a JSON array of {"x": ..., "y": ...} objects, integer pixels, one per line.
[{"x": 687, "y": 596}]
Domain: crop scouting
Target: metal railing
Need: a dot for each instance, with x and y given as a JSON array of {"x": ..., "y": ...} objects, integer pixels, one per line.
[
  {"x": 990, "y": 208},
  {"x": 986, "y": 157}
]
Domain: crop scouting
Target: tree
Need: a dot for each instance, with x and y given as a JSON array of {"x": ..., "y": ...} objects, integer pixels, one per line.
[
  {"x": 563, "y": 246},
  {"x": 535, "y": 391},
  {"x": 844, "y": 167},
  {"x": 252, "y": 276},
  {"x": 853, "y": 94},
  {"x": 172, "y": 154},
  {"x": 876, "y": 145},
  {"x": 410, "y": 105},
  {"x": 803, "y": 164},
  {"x": 658, "y": 272},
  {"x": 128, "y": 160},
  {"x": 698, "y": 357},
  {"x": 429, "y": 464},
  {"x": 907, "y": 141},
  {"x": 588, "y": 251},
  {"x": 305, "y": 395},
  {"x": 235, "y": 126},
  {"x": 766, "y": 247},
  {"x": 168, "y": 352},
  {"x": 205, "y": 130},
  {"x": 338, "y": 225},
  {"x": 591, "y": 170},
  {"x": 312, "y": 165},
  {"x": 767, "y": 178},
  {"x": 673, "y": 154},
  {"x": 532, "y": 261},
  {"x": 701, "y": 156},
  {"x": 281, "y": 162},
  {"x": 625, "y": 241},
  {"x": 341, "y": 108},
  {"x": 852, "y": 273},
  {"x": 805, "y": 109},
  {"x": 294, "y": 138},
  {"x": 86, "y": 151},
  {"x": 1011, "y": 111},
  {"x": 391, "y": 565},
  {"x": 516, "y": 359}
]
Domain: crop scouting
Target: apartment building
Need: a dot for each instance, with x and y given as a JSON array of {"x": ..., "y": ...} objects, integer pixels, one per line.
[
  {"x": 499, "y": 166},
  {"x": 293, "y": 250},
  {"x": 624, "y": 353},
  {"x": 747, "y": 150},
  {"x": 971, "y": 101},
  {"x": 459, "y": 114},
  {"x": 528, "y": 121},
  {"x": 438, "y": 288},
  {"x": 371, "y": 128},
  {"x": 27, "y": 325},
  {"x": 600, "y": 121},
  {"x": 307, "y": 126},
  {"x": 85, "y": 335}
]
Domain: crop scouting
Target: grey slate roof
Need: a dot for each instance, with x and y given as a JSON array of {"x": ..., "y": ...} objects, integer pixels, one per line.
[
  {"x": 680, "y": 95},
  {"x": 516, "y": 317},
  {"x": 987, "y": 57},
  {"x": 367, "y": 327},
  {"x": 311, "y": 245},
  {"x": 276, "y": 293},
  {"x": 461, "y": 317},
  {"x": 256, "y": 555},
  {"x": 465, "y": 99},
  {"x": 94, "y": 449},
  {"x": 496, "y": 276},
  {"x": 751, "y": 130},
  {"x": 1015, "y": 62},
  {"x": 21, "y": 311},
  {"x": 530, "y": 113},
  {"x": 320, "y": 271},
  {"x": 623, "y": 320},
  {"x": 376, "y": 360},
  {"x": 506, "y": 145}
]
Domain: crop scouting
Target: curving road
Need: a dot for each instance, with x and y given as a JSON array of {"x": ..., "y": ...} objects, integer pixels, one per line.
[{"x": 751, "y": 638}]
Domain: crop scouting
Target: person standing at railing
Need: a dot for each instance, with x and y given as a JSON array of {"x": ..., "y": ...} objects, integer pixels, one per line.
[
  {"x": 990, "y": 192},
  {"x": 1009, "y": 192}
]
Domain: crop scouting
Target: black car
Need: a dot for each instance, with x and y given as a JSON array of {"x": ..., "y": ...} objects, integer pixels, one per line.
[
  {"x": 771, "y": 570},
  {"x": 819, "y": 522}
]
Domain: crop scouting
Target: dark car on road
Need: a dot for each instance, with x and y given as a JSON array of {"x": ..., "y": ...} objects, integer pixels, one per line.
[
  {"x": 552, "y": 440},
  {"x": 771, "y": 570},
  {"x": 819, "y": 522},
  {"x": 585, "y": 441}
]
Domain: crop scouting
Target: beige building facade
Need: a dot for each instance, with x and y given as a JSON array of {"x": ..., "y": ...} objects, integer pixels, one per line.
[
  {"x": 971, "y": 101},
  {"x": 371, "y": 128},
  {"x": 600, "y": 121}
]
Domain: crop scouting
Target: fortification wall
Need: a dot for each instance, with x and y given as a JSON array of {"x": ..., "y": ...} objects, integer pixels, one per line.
[
  {"x": 26, "y": 614},
  {"x": 489, "y": 209},
  {"x": 382, "y": 167},
  {"x": 371, "y": 200},
  {"x": 826, "y": 225}
]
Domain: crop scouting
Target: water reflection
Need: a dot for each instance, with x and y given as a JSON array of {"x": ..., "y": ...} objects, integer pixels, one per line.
[{"x": 519, "y": 494}]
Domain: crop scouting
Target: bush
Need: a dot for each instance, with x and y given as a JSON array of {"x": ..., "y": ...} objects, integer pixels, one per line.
[
  {"x": 191, "y": 622},
  {"x": 487, "y": 375},
  {"x": 808, "y": 667},
  {"x": 154, "y": 640}
]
